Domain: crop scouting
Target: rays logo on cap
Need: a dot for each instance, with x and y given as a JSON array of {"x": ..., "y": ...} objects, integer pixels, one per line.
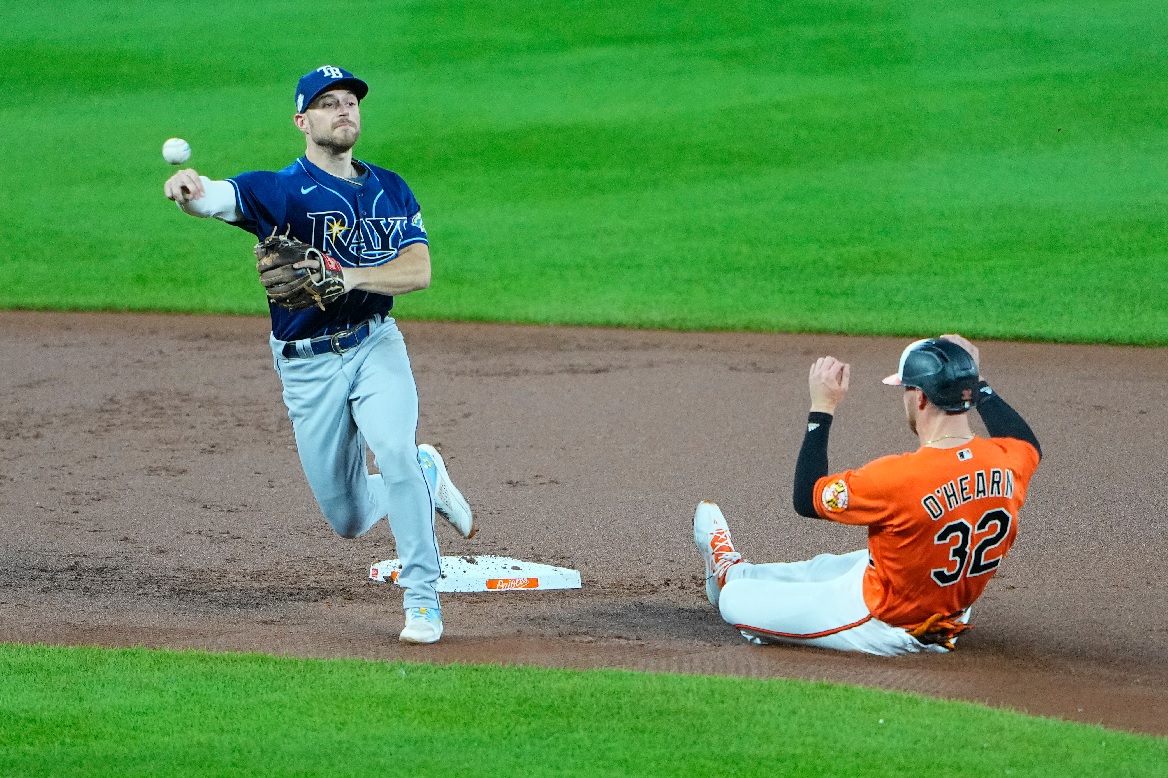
[{"x": 324, "y": 78}]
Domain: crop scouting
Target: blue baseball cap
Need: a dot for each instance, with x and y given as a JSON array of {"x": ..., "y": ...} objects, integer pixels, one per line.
[{"x": 324, "y": 78}]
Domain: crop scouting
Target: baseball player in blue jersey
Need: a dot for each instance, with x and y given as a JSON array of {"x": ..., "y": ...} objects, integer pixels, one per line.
[{"x": 343, "y": 365}]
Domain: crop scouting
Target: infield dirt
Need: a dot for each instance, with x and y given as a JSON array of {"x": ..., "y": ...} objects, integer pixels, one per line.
[{"x": 151, "y": 495}]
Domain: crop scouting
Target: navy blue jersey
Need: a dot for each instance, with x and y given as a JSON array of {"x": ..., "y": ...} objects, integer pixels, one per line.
[{"x": 358, "y": 224}]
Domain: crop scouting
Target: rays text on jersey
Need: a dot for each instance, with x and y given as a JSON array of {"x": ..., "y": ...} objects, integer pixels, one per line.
[{"x": 375, "y": 238}]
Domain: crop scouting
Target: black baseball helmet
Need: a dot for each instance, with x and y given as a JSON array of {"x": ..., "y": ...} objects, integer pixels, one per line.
[{"x": 943, "y": 370}]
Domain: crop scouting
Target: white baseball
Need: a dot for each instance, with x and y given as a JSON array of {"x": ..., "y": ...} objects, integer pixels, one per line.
[{"x": 176, "y": 151}]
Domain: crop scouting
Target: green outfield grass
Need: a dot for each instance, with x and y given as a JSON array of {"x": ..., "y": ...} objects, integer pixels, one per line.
[
  {"x": 848, "y": 166},
  {"x": 81, "y": 711},
  {"x": 844, "y": 166}
]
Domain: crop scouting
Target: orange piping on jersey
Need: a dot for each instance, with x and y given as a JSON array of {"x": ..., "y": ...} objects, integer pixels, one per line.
[{"x": 810, "y": 636}]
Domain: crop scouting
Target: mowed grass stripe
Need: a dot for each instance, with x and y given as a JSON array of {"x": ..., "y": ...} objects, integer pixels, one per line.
[
  {"x": 134, "y": 712},
  {"x": 893, "y": 168}
]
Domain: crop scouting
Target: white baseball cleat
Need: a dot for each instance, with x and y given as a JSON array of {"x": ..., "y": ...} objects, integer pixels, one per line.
[
  {"x": 712, "y": 537},
  {"x": 448, "y": 501},
  {"x": 423, "y": 625}
]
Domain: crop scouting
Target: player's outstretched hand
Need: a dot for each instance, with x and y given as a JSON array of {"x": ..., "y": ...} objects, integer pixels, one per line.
[
  {"x": 184, "y": 186},
  {"x": 828, "y": 383},
  {"x": 965, "y": 344}
]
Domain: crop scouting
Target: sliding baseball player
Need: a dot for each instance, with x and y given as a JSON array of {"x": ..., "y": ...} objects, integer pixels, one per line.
[{"x": 940, "y": 519}]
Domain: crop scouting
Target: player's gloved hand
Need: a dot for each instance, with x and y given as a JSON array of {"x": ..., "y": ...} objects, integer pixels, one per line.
[{"x": 286, "y": 266}]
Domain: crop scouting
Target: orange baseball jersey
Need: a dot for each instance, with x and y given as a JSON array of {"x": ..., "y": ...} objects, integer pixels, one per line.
[{"x": 939, "y": 523}]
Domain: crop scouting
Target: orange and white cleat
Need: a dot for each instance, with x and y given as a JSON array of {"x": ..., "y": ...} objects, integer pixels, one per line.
[{"x": 712, "y": 537}]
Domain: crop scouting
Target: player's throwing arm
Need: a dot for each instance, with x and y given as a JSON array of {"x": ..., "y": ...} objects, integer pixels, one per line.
[{"x": 338, "y": 238}]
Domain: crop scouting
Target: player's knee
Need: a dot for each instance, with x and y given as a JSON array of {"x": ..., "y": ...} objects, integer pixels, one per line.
[
  {"x": 730, "y": 602},
  {"x": 348, "y": 531},
  {"x": 345, "y": 518},
  {"x": 347, "y": 526},
  {"x": 398, "y": 463}
]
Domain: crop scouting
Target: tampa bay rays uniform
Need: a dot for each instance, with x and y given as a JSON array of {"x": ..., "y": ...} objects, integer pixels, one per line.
[
  {"x": 347, "y": 379},
  {"x": 339, "y": 402}
]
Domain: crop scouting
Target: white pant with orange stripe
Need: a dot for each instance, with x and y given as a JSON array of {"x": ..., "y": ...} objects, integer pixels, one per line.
[{"x": 819, "y": 602}]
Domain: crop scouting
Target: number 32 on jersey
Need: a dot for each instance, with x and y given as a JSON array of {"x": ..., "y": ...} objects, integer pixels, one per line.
[{"x": 966, "y": 557}]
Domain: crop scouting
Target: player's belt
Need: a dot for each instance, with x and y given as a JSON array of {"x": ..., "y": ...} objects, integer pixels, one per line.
[{"x": 337, "y": 343}]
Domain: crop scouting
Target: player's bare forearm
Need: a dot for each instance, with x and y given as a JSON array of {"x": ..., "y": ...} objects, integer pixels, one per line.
[{"x": 409, "y": 271}]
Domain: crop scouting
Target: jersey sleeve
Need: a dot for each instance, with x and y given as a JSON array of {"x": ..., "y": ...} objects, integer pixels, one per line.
[
  {"x": 851, "y": 497},
  {"x": 261, "y": 200},
  {"x": 414, "y": 230}
]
